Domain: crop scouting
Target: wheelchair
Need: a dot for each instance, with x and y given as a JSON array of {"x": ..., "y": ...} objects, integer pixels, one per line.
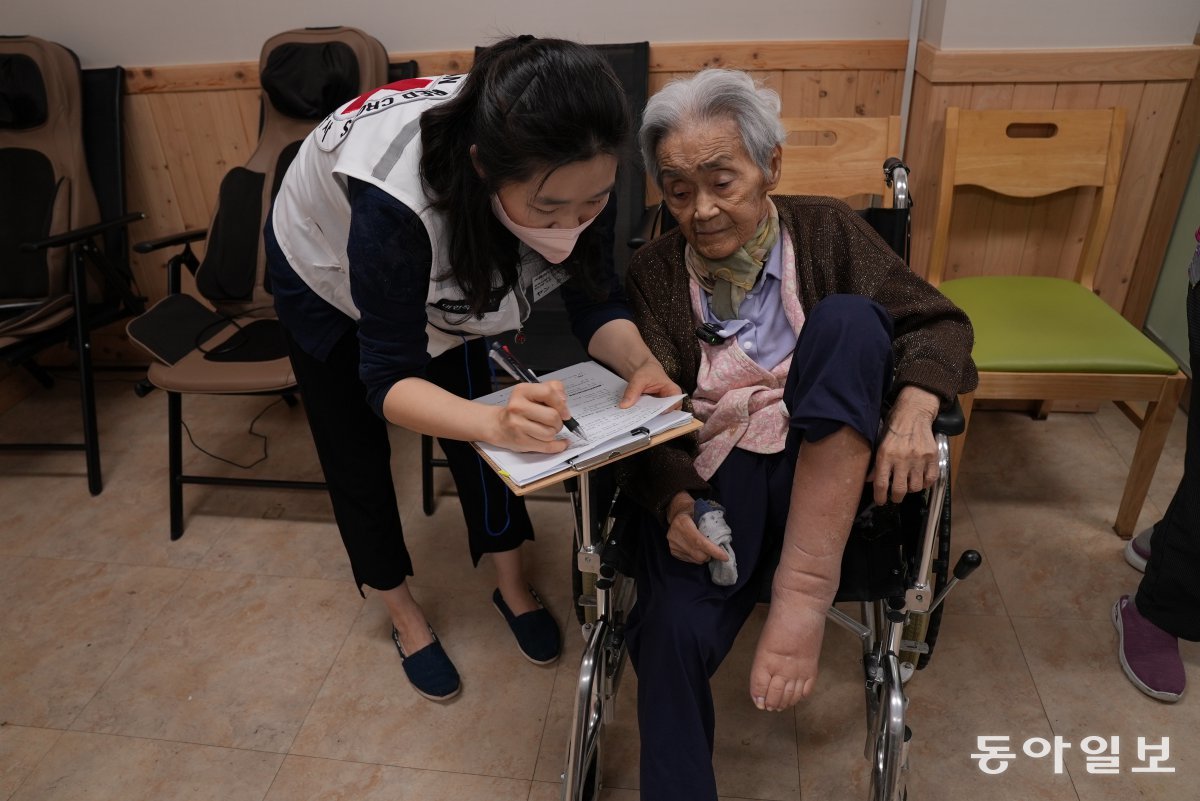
[{"x": 896, "y": 567}]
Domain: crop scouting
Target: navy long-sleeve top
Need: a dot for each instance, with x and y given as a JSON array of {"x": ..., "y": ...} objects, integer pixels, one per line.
[{"x": 390, "y": 265}]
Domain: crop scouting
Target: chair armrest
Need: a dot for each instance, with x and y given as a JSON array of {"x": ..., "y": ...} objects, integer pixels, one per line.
[
  {"x": 950, "y": 421},
  {"x": 151, "y": 245},
  {"x": 79, "y": 234}
]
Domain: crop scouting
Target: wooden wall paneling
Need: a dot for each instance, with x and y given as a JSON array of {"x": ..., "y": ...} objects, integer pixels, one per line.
[
  {"x": 188, "y": 115},
  {"x": 657, "y": 81},
  {"x": 771, "y": 79},
  {"x": 249, "y": 103},
  {"x": 1177, "y": 169},
  {"x": 191, "y": 78},
  {"x": 801, "y": 93},
  {"x": 175, "y": 140},
  {"x": 1162, "y": 63},
  {"x": 219, "y": 141},
  {"x": 801, "y": 97},
  {"x": 876, "y": 95},
  {"x": 149, "y": 189},
  {"x": 919, "y": 150},
  {"x": 838, "y": 92},
  {"x": 1154, "y": 127},
  {"x": 886, "y": 54},
  {"x": 1127, "y": 96},
  {"x": 926, "y": 136}
]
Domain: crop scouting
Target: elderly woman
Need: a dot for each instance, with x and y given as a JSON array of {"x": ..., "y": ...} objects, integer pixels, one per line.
[{"x": 822, "y": 352}]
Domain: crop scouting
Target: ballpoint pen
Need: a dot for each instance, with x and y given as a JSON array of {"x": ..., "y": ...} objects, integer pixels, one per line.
[{"x": 502, "y": 356}]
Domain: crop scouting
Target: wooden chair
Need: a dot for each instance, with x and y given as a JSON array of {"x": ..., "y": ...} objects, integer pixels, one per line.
[
  {"x": 840, "y": 157},
  {"x": 1045, "y": 338}
]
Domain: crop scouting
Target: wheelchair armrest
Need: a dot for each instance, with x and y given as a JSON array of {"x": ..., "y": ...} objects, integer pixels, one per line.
[
  {"x": 151, "y": 245},
  {"x": 950, "y": 421},
  {"x": 645, "y": 228},
  {"x": 80, "y": 234}
]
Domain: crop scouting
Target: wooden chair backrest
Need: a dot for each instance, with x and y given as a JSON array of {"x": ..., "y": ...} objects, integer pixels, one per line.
[
  {"x": 1031, "y": 154},
  {"x": 840, "y": 157}
]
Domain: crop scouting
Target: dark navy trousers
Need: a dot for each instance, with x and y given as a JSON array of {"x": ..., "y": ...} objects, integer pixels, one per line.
[
  {"x": 1169, "y": 595},
  {"x": 683, "y": 625},
  {"x": 356, "y": 457}
]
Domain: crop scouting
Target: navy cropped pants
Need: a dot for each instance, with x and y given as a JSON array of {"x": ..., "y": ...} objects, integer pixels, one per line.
[
  {"x": 1169, "y": 595},
  {"x": 683, "y": 625},
  {"x": 356, "y": 457}
]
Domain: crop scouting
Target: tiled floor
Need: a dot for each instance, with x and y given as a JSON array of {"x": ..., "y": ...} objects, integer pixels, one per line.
[{"x": 240, "y": 664}]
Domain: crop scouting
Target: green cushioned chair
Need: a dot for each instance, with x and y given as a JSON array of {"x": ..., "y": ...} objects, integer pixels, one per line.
[{"x": 1045, "y": 338}]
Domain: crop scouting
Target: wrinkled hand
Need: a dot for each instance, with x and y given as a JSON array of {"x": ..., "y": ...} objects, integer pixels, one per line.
[
  {"x": 907, "y": 459},
  {"x": 532, "y": 418},
  {"x": 649, "y": 379},
  {"x": 686, "y": 542}
]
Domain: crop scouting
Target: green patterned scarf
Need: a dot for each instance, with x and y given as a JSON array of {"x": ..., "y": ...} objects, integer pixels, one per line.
[{"x": 728, "y": 280}]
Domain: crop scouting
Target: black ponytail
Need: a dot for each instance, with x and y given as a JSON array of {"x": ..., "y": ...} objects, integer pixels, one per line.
[{"x": 529, "y": 106}]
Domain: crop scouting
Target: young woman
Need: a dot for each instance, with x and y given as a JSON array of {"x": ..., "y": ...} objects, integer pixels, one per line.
[{"x": 413, "y": 222}]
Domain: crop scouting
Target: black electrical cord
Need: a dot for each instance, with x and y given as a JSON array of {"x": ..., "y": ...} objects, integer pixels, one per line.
[{"x": 252, "y": 432}]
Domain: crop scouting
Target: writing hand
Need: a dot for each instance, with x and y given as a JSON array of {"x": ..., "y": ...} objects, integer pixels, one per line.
[{"x": 532, "y": 418}]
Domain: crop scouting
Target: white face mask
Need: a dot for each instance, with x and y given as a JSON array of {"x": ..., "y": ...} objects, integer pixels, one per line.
[{"x": 555, "y": 244}]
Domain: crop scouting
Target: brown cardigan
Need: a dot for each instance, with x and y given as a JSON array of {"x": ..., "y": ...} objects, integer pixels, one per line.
[{"x": 836, "y": 253}]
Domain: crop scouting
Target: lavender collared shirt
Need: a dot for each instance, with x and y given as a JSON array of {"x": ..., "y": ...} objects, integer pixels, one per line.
[{"x": 763, "y": 331}]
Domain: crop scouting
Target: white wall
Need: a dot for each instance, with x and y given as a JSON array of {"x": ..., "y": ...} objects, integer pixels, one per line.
[
  {"x": 1051, "y": 24},
  {"x": 153, "y": 32}
]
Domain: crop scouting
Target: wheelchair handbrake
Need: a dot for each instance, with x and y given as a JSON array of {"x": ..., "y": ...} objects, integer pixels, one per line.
[{"x": 965, "y": 566}]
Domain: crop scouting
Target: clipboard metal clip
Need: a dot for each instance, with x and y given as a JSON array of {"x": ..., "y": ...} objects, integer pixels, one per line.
[{"x": 642, "y": 439}]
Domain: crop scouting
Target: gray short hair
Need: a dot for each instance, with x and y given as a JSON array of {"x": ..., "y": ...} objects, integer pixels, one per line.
[{"x": 713, "y": 94}]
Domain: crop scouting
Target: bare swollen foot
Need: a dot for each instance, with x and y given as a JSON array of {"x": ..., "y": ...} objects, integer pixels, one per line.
[{"x": 789, "y": 648}]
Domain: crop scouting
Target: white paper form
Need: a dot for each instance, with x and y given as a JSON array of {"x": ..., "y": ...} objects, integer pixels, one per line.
[{"x": 593, "y": 393}]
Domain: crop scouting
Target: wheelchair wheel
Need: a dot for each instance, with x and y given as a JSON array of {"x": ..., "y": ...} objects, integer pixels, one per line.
[
  {"x": 581, "y": 779},
  {"x": 888, "y": 736}
]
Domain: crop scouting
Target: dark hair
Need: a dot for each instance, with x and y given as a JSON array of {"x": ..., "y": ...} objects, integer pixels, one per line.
[{"x": 529, "y": 106}]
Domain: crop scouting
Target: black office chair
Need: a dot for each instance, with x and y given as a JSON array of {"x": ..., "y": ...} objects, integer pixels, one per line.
[
  {"x": 546, "y": 342},
  {"x": 236, "y": 346},
  {"x": 64, "y": 261}
]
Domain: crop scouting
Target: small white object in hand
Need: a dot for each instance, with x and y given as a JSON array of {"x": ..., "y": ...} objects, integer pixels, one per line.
[{"x": 710, "y": 519}]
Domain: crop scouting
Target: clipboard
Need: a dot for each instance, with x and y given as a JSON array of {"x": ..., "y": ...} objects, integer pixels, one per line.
[{"x": 580, "y": 467}]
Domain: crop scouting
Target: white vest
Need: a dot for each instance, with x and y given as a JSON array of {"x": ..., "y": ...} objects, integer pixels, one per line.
[{"x": 377, "y": 138}]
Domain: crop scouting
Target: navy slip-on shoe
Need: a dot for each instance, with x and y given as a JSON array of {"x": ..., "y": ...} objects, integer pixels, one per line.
[
  {"x": 536, "y": 632},
  {"x": 429, "y": 670}
]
